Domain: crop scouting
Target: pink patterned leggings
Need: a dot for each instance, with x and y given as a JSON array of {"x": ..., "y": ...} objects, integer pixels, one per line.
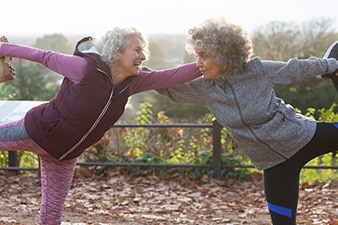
[{"x": 56, "y": 175}]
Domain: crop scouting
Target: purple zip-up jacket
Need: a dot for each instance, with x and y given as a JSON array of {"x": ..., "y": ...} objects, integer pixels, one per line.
[{"x": 87, "y": 104}]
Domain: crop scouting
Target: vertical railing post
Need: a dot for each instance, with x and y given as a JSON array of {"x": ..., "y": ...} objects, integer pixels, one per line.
[
  {"x": 216, "y": 136},
  {"x": 12, "y": 159},
  {"x": 334, "y": 158},
  {"x": 39, "y": 169}
]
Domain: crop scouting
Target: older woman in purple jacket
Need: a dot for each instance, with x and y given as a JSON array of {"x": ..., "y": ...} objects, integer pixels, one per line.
[{"x": 98, "y": 80}]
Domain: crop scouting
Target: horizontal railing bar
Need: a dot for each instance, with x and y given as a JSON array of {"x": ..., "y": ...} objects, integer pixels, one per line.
[
  {"x": 185, "y": 165},
  {"x": 192, "y": 125},
  {"x": 16, "y": 168},
  {"x": 109, "y": 164}
]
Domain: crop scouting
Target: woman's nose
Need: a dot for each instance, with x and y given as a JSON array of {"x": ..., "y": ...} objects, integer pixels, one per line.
[
  {"x": 142, "y": 56},
  {"x": 198, "y": 62}
]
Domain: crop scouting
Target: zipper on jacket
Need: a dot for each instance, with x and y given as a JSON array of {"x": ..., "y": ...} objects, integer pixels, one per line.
[
  {"x": 247, "y": 126},
  {"x": 104, "y": 110}
]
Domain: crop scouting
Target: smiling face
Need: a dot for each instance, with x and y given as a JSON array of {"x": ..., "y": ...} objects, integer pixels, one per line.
[
  {"x": 206, "y": 63},
  {"x": 129, "y": 61}
]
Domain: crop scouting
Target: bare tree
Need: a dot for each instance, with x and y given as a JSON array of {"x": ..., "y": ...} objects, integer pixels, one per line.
[
  {"x": 281, "y": 41},
  {"x": 276, "y": 41}
]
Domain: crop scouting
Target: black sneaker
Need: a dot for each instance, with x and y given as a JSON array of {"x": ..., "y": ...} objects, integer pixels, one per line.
[{"x": 332, "y": 52}]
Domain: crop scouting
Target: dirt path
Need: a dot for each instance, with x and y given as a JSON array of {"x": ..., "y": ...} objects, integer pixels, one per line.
[{"x": 161, "y": 200}]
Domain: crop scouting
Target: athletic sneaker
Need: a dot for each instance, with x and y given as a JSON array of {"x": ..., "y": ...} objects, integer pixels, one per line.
[{"x": 332, "y": 52}]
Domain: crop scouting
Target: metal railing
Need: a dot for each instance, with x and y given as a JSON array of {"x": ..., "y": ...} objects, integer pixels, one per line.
[{"x": 216, "y": 148}]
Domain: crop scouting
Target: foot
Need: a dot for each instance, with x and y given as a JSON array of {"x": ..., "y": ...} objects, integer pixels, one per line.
[{"x": 332, "y": 52}]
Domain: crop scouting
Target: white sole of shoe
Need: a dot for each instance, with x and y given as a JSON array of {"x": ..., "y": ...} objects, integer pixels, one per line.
[{"x": 329, "y": 49}]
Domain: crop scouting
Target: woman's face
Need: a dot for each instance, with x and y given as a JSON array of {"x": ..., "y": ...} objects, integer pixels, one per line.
[
  {"x": 130, "y": 60},
  {"x": 206, "y": 63}
]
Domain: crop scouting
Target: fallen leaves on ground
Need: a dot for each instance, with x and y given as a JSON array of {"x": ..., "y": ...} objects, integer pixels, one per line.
[{"x": 148, "y": 198}]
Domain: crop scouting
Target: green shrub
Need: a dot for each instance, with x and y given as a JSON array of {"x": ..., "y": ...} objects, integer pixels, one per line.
[{"x": 181, "y": 145}]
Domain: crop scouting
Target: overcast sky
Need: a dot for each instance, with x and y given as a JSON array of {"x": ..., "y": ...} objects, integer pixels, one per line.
[{"x": 82, "y": 17}]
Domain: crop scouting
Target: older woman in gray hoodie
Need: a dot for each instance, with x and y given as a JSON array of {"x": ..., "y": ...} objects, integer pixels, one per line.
[{"x": 239, "y": 92}]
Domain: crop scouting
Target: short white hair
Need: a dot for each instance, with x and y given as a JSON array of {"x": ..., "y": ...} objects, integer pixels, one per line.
[{"x": 117, "y": 39}]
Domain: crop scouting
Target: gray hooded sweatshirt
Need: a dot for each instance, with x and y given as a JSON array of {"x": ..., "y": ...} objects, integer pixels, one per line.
[{"x": 268, "y": 130}]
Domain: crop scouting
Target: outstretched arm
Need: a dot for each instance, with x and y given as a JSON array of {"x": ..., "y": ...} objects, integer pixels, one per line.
[
  {"x": 159, "y": 79},
  {"x": 297, "y": 69},
  {"x": 70, "y": 66},
  {"x": 195, "y": 92}
]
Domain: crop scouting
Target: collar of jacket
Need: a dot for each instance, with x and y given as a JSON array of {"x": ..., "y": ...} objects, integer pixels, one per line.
[{"x": 87, "y": 42}]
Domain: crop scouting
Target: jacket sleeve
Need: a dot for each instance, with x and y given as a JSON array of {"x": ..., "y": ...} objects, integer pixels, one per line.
[
  {"x": 297, "y": 69},
  {"x": 70, "y": 66},
  {"x": 194, "y": 92},
  {"x": 164, "y": 78}
]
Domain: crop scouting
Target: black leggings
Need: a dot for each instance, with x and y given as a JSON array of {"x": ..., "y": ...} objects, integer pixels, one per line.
[{"x": 281, "y": 183}]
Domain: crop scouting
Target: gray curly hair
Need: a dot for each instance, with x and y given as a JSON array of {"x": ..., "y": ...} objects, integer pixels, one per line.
[
  {"x": 117, "y": 39},
  {"x": 227, "y": 42}
]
